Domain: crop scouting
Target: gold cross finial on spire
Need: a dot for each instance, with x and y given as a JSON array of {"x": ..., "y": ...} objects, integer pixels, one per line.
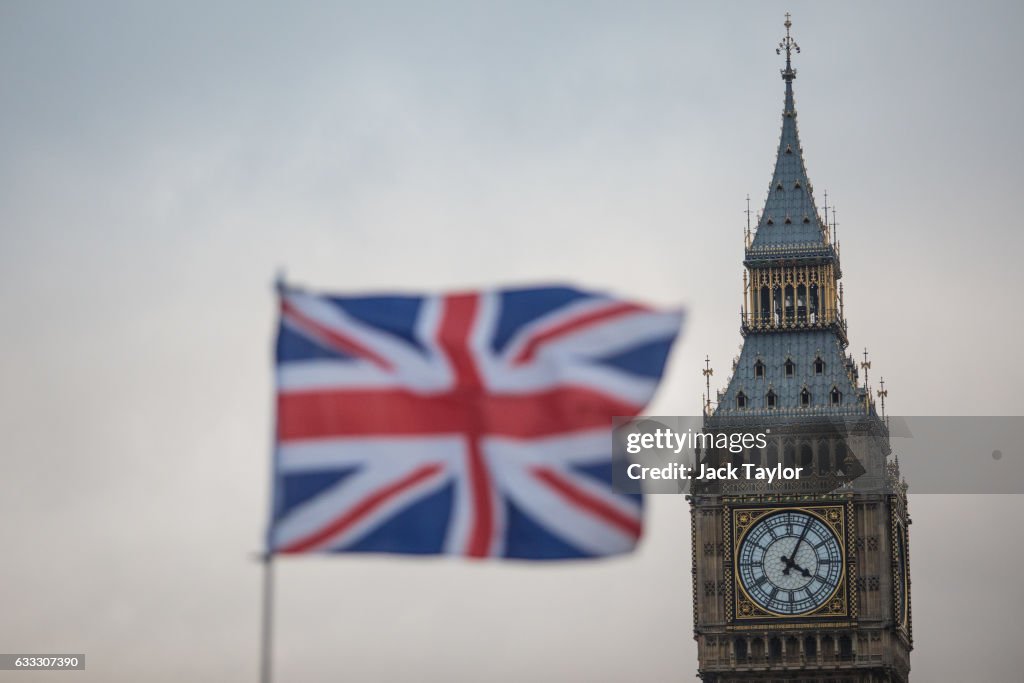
[
  {"x": 707, "y": 381},
  {"x": 867, "y": 390},
  {"x": 866, "y": 365},
  {"x": 882, "y": 393},
  {"x": 790, "y": 46}
]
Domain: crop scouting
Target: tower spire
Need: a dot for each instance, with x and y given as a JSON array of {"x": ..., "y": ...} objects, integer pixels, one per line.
[{"x": 790, "y": 220}]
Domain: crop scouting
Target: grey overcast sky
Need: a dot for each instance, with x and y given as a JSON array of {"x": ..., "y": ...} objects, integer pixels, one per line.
[{"x": 160, "y": 162}]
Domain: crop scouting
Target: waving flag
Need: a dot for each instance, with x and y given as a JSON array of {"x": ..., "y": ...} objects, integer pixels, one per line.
[{"x": 476, "y": 424}]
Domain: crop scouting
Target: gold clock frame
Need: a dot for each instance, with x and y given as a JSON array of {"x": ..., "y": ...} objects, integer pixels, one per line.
[{"x": 840, "y": 605}]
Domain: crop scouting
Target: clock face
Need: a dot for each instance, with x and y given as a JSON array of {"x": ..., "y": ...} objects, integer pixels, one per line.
[{"x": 790, "y": 562}]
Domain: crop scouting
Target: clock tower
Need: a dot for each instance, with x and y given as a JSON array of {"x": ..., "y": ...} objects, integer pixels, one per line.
[{"x": 803, "y": 579}]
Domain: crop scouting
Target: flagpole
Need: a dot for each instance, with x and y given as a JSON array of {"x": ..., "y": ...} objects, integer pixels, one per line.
[
  {"x": 267, "y": 626},
  {"x": 267, "y": 557}
]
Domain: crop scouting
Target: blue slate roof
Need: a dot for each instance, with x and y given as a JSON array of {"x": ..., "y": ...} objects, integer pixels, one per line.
[
  {"x": 790, "y": 218},
  {"x": 802, "y": 348}
]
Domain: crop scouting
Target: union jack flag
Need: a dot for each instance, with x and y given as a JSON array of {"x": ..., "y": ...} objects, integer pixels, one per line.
[{"x": 476, "y": 424}]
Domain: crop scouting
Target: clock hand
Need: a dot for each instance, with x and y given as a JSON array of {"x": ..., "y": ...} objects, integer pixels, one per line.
[
  {"x": 796, "y": 547},
  {"x": 790, "y": 562},
  {"x": 801, "y": 539}
]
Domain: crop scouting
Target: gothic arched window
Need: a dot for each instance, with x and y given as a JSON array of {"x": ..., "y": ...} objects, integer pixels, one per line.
[
  {"x": 801, "y": 303},
  {"x": 741, "y": 400},
  {"x": 805, "y": 398},
  {"x": 836, "y": 397},
  {"x": 790, "y": 367},
  {"x": 828, "y": 647},
  {"x": 813, "y": 293},
  {"x": 789, "y": 303},
  {"x": 845, "y": 647},
  {"x": 824, "y": 458},
  {"x": 840, "y": 459},
  {"x": 738, "y": 459},
  {"x": 759, "y": 369},
  {"x": 771, "y": 400},
  {"x": 792, "y": 648},
  {"x": 807, "y": 458},
  {"x": 819, "y": 366},
  {"x": 789, "y": 455},
  {"x": 775, "y": 648}
]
